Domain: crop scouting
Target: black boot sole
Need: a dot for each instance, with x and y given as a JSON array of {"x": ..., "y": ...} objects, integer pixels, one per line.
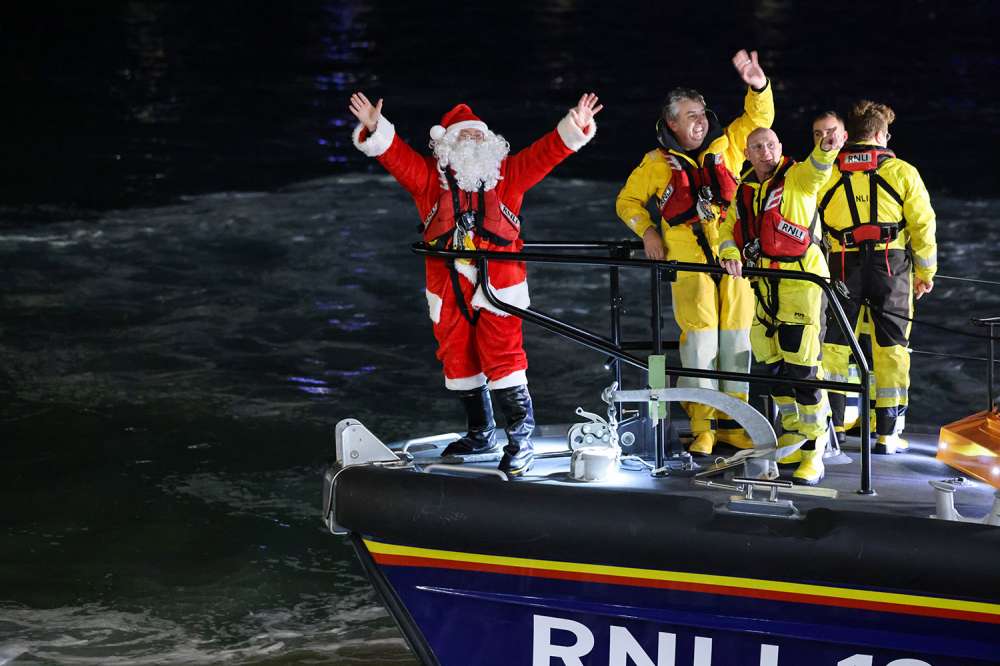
[
  {"x": 461, "y": 459},
  {"x": 518, "y": 471},
  {"x": 806, "y": 482}
]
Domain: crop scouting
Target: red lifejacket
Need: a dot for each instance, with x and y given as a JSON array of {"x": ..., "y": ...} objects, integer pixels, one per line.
[
  {"x": 778, "y": 238},
  {"x": 491, "y": 219},
  {"x": 713, "y": 181},
  {"x": 867, "y": 158}
]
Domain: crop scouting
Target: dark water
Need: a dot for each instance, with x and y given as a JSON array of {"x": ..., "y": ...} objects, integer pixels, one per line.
[{"x": 198, "y": 278}]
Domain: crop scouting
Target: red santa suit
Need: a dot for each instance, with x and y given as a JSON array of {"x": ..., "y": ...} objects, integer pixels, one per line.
[{"x": 477, "y": 343}]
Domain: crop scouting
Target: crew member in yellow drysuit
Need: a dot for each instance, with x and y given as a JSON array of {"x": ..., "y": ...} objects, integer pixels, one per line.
[
  {"x": 844, "y": 407},
  {"x": 876, "y": 214},
  {"x": 770, "y": 225},
  {"x": 714, "y": 318}
]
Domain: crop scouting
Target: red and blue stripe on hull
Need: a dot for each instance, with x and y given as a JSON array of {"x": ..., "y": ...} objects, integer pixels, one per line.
[{"x": 487, "y": 609}]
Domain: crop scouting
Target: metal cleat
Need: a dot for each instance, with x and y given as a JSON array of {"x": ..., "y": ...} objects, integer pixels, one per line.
[
  {"x": 356, "y": 445},
  {"x": 596, "y": 452},
  {"x": 944, "y": 502},
  {"x": 771, "y": 505}
]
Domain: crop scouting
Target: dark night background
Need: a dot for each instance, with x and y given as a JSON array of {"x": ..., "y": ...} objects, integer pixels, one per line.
[
  {"x": 116, "y": 103},
  {"x": 200, "y": 275}
]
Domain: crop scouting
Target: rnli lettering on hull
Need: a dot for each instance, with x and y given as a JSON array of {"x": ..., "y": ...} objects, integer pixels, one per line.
[{"x": 559, "y": 641}]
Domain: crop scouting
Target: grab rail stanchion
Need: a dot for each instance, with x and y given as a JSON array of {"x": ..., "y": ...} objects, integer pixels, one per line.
[
  {"x": 614, "y": 279},
  {"x": 660, "y": 431},
  {"x": 865, "y": 374},
  {"x": 990, "y": 360},
  {"x": 990, "y": 323}
]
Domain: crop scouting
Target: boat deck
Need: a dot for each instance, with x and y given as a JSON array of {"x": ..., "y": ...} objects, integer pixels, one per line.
[{"x": 901, "y": 481}]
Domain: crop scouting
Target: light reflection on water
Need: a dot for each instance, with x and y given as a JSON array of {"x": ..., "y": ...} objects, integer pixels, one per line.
[{"x": 304, "y": 633}]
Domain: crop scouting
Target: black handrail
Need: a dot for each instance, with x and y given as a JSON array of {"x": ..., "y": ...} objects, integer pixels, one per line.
[
  {"x": 991, "y": 323},
  {"x": 669, "y": 269}
]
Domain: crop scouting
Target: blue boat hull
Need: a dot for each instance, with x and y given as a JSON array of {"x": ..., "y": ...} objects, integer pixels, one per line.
[
  {"x": 484, "y": 572},
  {"x": 489, "y": 617}
]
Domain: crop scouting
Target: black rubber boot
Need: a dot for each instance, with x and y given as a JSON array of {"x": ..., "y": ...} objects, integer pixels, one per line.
[
  {"x": 885, "y": 430},
  {"x": 838, "y": 405},
  {"x": 518, "y": 455},
  {"x": 480, "y": 443}
]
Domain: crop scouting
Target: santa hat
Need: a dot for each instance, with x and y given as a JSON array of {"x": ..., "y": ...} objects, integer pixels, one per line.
[{"x": 459, "y": 118}]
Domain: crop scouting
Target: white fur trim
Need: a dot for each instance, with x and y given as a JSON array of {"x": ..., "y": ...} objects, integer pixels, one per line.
[
  {"x": 572, "y": 136},
  {"x": 516, "y": 378},
  {"x": 516, "y": 295},
  {"x": 433, "y": 305},
  {"x": 378, "y": 141},
  {"x": 437, "y": 132},
  {"x": 467, "y": 270},
  {"x": 464, "y": 383},
  {"x": 455, "y": 128}
]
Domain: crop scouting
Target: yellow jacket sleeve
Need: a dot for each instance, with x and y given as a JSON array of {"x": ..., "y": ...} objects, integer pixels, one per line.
[
  {"x": 645, "y": 182},
  {"x": 727, "y": 242},
  {"x": 807, "y": 178},
  {"x": 833, "y": 177},
  {"x": 921, "y": 226},
  {"x": 758, "y": 111}
]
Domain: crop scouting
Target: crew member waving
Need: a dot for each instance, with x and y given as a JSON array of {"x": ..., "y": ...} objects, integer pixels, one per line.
[
  {"x": 770, "y": 225},
  {"x": 690, "y": 180}
]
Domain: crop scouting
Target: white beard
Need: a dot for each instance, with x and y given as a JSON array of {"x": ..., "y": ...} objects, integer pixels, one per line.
[{"x": 474, "y": 162}]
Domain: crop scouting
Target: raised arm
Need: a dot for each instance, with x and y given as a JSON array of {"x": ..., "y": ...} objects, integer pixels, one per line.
[
  {"x": 749, "y": 69},
  {"x": 810, "y": 176},
  {"x": 758, "y": 107},
  {"x": 584, "y": 111},
  {"x": 376, "y": 137},
  {"x": 363, "y": 110},
  {"x": 573, "y": 132}
]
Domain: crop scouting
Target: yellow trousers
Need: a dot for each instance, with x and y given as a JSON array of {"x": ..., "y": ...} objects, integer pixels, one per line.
[
  {"x": 715, "y": 335},
  {"x": 794, "y": 351}
]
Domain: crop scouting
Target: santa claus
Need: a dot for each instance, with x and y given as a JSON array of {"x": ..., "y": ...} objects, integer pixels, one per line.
[{"x": 468, "y": 195}]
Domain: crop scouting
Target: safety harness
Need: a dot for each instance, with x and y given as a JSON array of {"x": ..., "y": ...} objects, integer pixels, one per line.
[
  {"x": 771, "y": 236},
  {"x": 500, "y": 227},
  {"x": 768, "y": 234},
  {"x": 691, "y": 192},
  {"x": 443, "y": 230},
  {"x": 864, "y": 236}
]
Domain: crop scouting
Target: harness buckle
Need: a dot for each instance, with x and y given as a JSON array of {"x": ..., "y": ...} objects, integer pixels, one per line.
[
  {"x": 751, "y": 253},
  {"x": 841, "y": 288},
  {"x": 704, "y": 204},
  {"x": 466, "y": 221}
]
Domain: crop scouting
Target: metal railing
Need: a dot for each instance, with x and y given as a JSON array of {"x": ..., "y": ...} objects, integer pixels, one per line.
[
  {"x": 619, "y": 256},
  {"x": 991, "y": 324}
]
